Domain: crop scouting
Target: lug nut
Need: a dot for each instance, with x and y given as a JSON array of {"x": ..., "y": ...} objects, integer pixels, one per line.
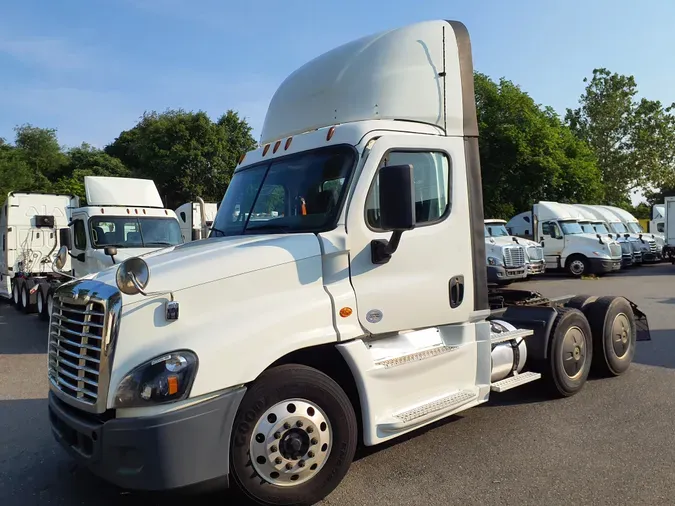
[
  {"x": 315, "y": 441},
  {"x": 274, "y": 449},
  {"x": 310, "y": 430},
  {"x": 289, "y": 466},
  {"x": 277, "y": 435},
  {"x": 287, "y": 426},
  {"x": 278, "y": 460},
  {"x": 310, "y": 455},
  {"x": 299, "y": 423},
  {"x": 301, "y": 463}
]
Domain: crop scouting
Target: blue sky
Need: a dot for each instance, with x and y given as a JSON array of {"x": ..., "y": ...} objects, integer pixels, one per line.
[{"x": 90, "y": 68}]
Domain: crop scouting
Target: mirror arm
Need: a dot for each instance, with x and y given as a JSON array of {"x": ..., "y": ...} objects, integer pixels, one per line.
[
  {"x": 134, "y": 280},
  {"x": 381, "y": 250}
]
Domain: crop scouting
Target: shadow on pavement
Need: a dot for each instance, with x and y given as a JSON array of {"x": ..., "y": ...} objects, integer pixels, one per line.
[{"x": 21, "y": 333}]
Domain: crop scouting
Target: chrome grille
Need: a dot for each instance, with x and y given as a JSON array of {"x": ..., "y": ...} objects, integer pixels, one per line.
[
  {"x": 82, "y": 332},
  {"x": 626, "y": 248},
  {"x": 535, "y": 252},
  {"x": 514, "y": 256},
  {"x": 615, "y": 250},
  {"x": 76, "y": 336},
  {"x": 652, "y": 246}
]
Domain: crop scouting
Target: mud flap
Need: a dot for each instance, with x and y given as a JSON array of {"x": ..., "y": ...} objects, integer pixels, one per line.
[{"x": 641, "y": 323}]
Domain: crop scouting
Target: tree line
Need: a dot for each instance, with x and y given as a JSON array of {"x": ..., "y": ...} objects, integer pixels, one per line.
[{"x": 610, "y": 144}]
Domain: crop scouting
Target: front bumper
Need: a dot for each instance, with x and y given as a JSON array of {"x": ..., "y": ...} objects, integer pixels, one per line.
[
  {"x": 626, "y": 260},
  {"x": 499, "y": 274},
  {"x": 536, "y": 267},
  {"x": 602, "y": 265},
  {"x": 163, "y": 452}
]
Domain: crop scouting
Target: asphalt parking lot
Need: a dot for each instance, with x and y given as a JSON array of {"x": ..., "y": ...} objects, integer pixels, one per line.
[{"x": 612, "y": 444}]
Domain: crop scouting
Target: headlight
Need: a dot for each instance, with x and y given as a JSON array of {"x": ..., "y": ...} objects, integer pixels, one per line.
[
  {"x": 164, "y": 379},
  {"x": 493, "y": 261},
  {"x": 132, "y": 276}
]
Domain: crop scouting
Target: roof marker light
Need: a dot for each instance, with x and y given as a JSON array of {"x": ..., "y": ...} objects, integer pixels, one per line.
[
  {"x": 276, "y": 146},
  {"x": 288, "y": 143},
  {"x": 241, "y": 158},
  {"x": 331, "y": 131},
  {"x": 267, "y": 148}
]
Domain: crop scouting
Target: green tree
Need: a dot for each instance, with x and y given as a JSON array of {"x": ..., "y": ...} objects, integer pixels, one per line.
[
  {"x": 87, "y": 160},
  {"x": 40, "y": 149},
  {"x": 527, "y": 153},
  {"x": 634, "y": 140},
  {"x": 15, "y": 174},
  {"x": 185, "y": 153}
]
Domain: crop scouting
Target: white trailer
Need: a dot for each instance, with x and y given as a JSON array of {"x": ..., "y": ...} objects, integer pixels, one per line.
[
  {"x": 510, "y": 258},
  {"x": 196, "y": 219},
  {"x": 360, "y": 312},
  {"x": 566, "y": 246},
  {"x": 669, "y": 219},
  {"x": 123, "y": 218}
]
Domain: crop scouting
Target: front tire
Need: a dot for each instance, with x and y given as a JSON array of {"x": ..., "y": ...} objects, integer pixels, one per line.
[
  {"x": 294, "y": 437},
  {"x": 578, "y": 266},
  {"x": 570, "y": 353}
]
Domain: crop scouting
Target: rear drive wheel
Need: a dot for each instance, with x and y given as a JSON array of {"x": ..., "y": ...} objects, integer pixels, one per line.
[
  {"x": 294, "y": 437},
  {"x": 570, "y": 353},
  {"x": 580, "y": 301},
  {"x": 26, "y": 305},
  {"x": 614, "y": 335},
  {"x": 577, "y": 266},
  {"x": 16, "y": 297},
  {"x": 42, "y": 306}
]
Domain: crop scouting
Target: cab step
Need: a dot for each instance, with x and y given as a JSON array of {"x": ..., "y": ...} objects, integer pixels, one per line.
[
  {"x": 419, "y": 414},
  {"x": 415, "y": 356},
  {"x": 514, "y": 381},
  {"x": 511, "y": 334}
]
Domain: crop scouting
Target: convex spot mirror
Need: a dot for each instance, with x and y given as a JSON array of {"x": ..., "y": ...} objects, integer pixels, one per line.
[
  {"x": 61, "y": 258},
  {"x": 132, "y": 276}
]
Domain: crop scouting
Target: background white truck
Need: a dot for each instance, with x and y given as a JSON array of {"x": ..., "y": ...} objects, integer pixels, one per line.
[
  {"x": 124, "y": 217},
  {"x": 359, "y": 312},
  {"x": 593, "y": 224},
  {"x": 196, "y": 218},
  {"x": 653, "y": 240},
  {"x": 510, "y": 258},
  {"x": 566, "y": 246},
  {"x": 657, "y": 225},
  {"x": 669, "y": 228}
]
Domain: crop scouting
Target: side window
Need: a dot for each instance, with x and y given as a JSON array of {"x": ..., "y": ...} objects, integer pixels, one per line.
[
  {"x": 431, "y": 173},
  {"x": 660, "y": 227},
  {"x": 80, "y": 235},
  {"x": 546, "y": 228},
  {"x": 4, "y": 242}
]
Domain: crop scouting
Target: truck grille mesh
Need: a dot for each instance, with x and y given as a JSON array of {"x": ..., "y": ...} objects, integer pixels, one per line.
[
  {"x": 615, "y": 250},
  {"x": 535, "y": 252},
  {"x": 514, "y": 256},
  {"x": 76, "y": 335}
]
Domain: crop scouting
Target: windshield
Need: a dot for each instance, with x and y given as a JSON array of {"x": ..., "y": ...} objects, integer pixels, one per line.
[
  {"x": 134, "y": 232},
  {"x": 600, "y": 228},
  {"x": 618, "y": 228},
  {"x": 496, "y": 230},
  {"x": 587, "y": 227},
  {"x": 635, "y": 228},
  {"x": 298, "y": 193},
  {"x": 570, "y": 227}
]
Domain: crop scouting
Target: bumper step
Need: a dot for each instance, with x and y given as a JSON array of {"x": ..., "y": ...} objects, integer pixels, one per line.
[
  {"x": 415, "y": 356},
  {"x": 514, "y": 381}
]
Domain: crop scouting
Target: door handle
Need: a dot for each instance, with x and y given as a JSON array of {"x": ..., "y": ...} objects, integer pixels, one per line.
[{"x": 456, "y": 291}]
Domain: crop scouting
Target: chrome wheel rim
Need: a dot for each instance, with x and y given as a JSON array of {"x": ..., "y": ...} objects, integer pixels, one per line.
[
  {"x": 291, "y": 442},
  {"x": 577, "y": 267}
]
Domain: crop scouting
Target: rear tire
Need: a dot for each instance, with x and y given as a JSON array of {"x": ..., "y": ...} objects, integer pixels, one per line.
[
  {"x": 612, "y": 323},
  {"x": 16, "y": 297},
  {"x": 580, "y": 301},
  {"x": 302, "y": 462},
  {"x": 570, "y": 354},
  {"x": 42, "y": 305},
  {"x": 26, "y": 306}
]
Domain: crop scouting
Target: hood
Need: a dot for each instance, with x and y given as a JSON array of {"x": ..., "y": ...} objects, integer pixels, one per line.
[
  {"x": 195, "y": 263},
  {"x": 502, "y": 241}
]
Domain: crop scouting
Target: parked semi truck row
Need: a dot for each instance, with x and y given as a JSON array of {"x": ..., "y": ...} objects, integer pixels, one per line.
[
  {"x": 123, "y": 218},
  {"x": 510, "y": 258},
  {"x": 353, "y": 310}
]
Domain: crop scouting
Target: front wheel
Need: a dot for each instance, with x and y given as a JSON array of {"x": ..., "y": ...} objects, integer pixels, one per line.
[
  {"x": 294, "y": 437},
  {"x": 578, "y": 266}
]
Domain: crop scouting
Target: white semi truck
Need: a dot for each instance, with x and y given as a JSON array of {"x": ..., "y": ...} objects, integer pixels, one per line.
[
  {"x": 261, "y": 357},
  {"x": 196, "y": 219},
  {"x": 592, "y": 224},
  {"x": 655, "y": 241},
  {"x": 123, "y": 218},
  {"x": 657, "y": 225},
  {"x": 566, "y": 246},
  {"x": 669, "y": 228},
  {"x": 510, "y": 258}
]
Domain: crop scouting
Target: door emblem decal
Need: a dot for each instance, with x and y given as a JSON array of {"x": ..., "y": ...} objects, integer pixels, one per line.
[{"x": 374, "y": 315}]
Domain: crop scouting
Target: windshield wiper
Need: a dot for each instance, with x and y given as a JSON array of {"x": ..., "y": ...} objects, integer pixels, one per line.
[
  {"x": 159, "y": 243},
  {"x": 213, "y": 229}
]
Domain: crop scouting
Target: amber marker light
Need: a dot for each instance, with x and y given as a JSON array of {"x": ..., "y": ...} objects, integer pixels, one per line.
[{"x": 345, "y": 312}]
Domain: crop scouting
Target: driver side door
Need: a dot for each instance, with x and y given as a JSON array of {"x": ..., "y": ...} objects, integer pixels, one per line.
[{"x": 553, "y": 242}]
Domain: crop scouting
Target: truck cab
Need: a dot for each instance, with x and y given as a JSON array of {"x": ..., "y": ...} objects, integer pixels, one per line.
[
  {"x": 654, "y": 241},
  {"x": 340, "y": 300},
  {"x": 657, "y": 225},
  {"x": 504, "y": 253},
  {"x": 123, "y": 218},
  {"x": 641, "y": 248},
  {"x": 566, "y": 245},
  {"x": 196, "y": 219},
  {"x": 593, "y": 223}
]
